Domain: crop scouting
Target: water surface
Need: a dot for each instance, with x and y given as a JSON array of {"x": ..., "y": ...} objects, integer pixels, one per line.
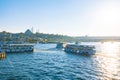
[{"x": 48, "y": 63}]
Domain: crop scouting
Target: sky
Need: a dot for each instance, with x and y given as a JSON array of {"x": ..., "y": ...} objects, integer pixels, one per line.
[{"x": 66, "y": 17}]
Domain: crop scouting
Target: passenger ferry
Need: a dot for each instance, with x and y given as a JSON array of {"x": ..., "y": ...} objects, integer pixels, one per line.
[
  {"x": 15, "y": 48},
  {"x": 80, "y": 49}
]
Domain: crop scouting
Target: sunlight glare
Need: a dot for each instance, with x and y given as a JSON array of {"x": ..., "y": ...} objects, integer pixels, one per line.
[
  {"x": 110, "y": 62},
  {"x": 106, "y": 19},
  {"x": 109, "y": 47}
]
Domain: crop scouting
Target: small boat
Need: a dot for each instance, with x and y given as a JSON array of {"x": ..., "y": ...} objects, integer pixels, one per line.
[{"x": 80, "y": 49}]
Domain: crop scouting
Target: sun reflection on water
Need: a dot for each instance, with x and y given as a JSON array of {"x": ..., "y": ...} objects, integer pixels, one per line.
[
  {"x": 109, "y": 63},
  {"x": 109, "y": 47}
]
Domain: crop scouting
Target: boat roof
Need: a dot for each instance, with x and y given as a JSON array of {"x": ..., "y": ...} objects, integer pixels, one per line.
[{"x": 76, "y": 45}]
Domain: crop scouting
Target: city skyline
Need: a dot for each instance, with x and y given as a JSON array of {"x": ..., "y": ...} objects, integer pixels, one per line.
[{"x": 66, "y": 17}]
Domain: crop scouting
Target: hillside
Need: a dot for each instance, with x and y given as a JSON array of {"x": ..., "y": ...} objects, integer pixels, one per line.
[{"x": 33, "y": 37}]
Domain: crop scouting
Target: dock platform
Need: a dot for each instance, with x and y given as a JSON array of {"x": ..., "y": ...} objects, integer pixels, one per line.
[{"x": 16, "y": 48}]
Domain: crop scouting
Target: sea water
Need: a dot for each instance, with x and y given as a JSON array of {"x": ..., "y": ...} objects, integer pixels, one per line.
[{"x": 49, "y": 63}]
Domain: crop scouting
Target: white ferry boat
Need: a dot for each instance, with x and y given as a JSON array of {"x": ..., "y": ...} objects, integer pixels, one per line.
[
  {"x": 15, "y": 48},
  {"x": 80, "y": 49}
]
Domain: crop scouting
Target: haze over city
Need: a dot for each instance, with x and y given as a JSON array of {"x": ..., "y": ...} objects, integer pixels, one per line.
[{"x": 67, "y": 17}]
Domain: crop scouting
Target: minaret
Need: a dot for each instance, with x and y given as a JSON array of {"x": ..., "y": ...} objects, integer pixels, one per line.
[
  {"x": 32, "y": 29},
  {"x": 37, "y": 31}
]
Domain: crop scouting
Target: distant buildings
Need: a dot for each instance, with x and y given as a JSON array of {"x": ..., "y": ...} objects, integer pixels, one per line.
[
  {"x": 15, "y": 38},
  {"x": 29, "y": 37}
]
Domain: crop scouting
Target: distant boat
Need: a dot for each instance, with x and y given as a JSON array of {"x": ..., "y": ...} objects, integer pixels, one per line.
[
  {"x": 102, "y": 42},
  {"x": 80, "y": 49}
]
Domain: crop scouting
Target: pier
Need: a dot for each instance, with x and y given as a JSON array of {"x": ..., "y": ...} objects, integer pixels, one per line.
[{"x": 16, "y": 48}]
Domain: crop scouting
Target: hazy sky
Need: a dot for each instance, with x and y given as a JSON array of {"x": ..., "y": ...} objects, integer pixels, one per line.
[{"x": 68, "y": 17}]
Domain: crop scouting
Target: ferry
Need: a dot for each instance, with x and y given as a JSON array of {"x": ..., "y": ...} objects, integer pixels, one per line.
[
  {"x": 16, "y": 48},
  {"x": 80, "y": 49}
]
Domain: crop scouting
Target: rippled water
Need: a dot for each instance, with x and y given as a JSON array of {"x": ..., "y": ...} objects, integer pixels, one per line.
[{"x": 48, "y": 63}]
